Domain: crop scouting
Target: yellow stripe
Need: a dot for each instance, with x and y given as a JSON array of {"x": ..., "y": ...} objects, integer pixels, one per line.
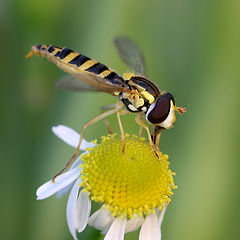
[
  {"x": 87, "y": 64},
  {"x": 70, "y": 57},
  {"x": 55, "y": 51},
  {"x": 128, "y": 76},
  {"x": 105, "y": 73}
]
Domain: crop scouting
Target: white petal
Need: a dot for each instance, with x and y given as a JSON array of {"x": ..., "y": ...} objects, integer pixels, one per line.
[
  {"x": 82, "y": 211},
  {"x": 150, "y": 229},
  {"x": 71, "y": 207},
  {"x": 65, "y": 190},
  {"x": 50, "y": 187},
  {"x": 117, "y": 229},
  {"x": 134, "y": 223},
  {"x": 77, "y": 162},
  {"x": 70, "y": 137},
  {"x": 101, "y": 219},
  {"x": 161, "y": 215}
]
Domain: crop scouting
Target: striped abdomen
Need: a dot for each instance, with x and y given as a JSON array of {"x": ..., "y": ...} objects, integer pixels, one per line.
[{"x": 73, "y": 62}]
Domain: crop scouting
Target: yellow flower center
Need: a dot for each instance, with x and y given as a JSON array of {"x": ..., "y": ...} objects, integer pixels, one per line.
[{"x": 136, "y": 182}]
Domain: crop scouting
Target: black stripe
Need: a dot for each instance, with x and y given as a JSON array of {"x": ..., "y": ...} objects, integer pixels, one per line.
[
  {"x": 79, "y": 60},
  {"x": 97, "y": 68},
  {"x": 64, "y": 53},
  {"x": 115, "y": 79},
  {"x": 57, "y": 53},
  {"x": 111, "y": 76},
  {"x": 38, "y": 46},
  {"x": 51, "y": 49}
]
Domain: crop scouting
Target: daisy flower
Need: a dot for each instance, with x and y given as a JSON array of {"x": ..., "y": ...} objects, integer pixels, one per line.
[{"x": 133, "y": 188}]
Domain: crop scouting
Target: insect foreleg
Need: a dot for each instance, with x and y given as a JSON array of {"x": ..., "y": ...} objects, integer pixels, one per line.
[
  {"x": 141, "y": 123},
  {"x": 119, "y": 105},
  {"x": 156, "y": 136}
]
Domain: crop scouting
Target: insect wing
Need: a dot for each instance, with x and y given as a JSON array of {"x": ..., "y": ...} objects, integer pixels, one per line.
[
  {"x": 72, "y": 83},
  {"x": 131, "y": 55},
  {"x": 91, "y": 82}
]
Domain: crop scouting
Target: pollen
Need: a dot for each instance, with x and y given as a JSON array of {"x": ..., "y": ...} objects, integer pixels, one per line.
[{"x": 129, "y": 183}]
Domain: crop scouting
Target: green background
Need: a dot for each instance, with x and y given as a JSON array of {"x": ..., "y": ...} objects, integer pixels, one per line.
[{"x": 192, "y": 50}]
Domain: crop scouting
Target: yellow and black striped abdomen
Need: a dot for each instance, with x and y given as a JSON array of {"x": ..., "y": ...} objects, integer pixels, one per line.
[{"x": 73, "y": 62}]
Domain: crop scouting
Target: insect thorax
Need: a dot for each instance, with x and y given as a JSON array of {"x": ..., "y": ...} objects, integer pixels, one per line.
[
  {"x": 134, "y": 102},
  {"x": 142, "y": 94}
]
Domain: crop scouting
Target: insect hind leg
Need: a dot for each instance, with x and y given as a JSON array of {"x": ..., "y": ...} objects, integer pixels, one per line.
[{"x": 118, "y": 106}]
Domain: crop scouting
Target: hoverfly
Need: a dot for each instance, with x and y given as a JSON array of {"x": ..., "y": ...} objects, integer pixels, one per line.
[{"x": 135, "y": 91}]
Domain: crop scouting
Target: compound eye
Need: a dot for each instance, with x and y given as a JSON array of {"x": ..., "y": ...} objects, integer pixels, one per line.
[{"x": 159, "y": 110}]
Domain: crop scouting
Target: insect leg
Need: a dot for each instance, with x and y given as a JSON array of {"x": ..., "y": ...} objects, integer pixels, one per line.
[
  {"x": 119, "y": 113},
  {"x": 109, "y": 128},
  {"x": 156, "y": 136},
  {"x": 107, "y": 107},
  {"x": 93, "y": 121},
  {"x": 140, "y": 132},
  {"x": 102, "y": 109},
  {"x": 141, "y": 123},
  {"x": 122, "y": 131}
]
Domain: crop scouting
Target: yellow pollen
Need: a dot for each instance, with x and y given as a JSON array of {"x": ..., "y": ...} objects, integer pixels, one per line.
[{"x": 136, "y": 182}]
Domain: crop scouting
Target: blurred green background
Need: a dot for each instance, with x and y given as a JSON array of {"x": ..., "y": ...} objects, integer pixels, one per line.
[{"x": 192, "y": 50}]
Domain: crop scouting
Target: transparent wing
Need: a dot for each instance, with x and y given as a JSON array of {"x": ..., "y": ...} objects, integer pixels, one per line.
[
  {"x": 90, "y": 82},
  {"x": 131, "y": 55},
  {"x": 72, "y": 83}
]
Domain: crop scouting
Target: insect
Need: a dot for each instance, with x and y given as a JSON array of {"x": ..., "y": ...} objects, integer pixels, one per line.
[{"x": 135, "y": 91}]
